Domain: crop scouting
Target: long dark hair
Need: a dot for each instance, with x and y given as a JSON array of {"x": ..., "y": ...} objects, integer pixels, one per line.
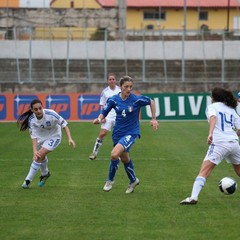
[
  {"x": 23, "y": 118},
  {"x": 224, "y": 96}
]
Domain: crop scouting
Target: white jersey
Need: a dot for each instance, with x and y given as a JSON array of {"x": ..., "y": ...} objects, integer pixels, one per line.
[
  {"x": 107, "y": 93},
  {"x": 238, "y": 108},
  {"x": 227, "y": 121},
  {"x": 50, "y": 126}
]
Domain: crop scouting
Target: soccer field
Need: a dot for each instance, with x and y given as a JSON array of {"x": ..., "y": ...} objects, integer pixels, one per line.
[{"x": 72, "y": 204}]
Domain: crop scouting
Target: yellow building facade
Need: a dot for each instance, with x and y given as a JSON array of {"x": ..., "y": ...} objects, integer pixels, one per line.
[
  {"x": 217, "y": 19},
  {"x": 153, "y": 17},
  {"x": 75, "y": 4}
]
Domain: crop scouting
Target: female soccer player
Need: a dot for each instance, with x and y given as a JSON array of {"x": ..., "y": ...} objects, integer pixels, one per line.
[
  {"x": 109, "y": 122},
  {"x": 224, "y": 129},
  {"x": 126, "y": 129},
  {"x": 45, "y": 131}
]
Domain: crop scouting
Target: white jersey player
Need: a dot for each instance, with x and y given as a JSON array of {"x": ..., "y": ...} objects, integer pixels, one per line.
[
  {"x": 45, "y": 127},
  {"x": 48, "y": 127},
  {"x": 108, "y": 123},
  {"x": 224, "y": 129}
]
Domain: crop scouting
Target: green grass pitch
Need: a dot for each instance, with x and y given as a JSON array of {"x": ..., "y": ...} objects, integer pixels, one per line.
[{"x": 72, "y": 204}]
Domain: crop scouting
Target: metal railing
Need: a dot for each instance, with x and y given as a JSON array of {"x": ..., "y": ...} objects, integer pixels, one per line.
[{"x": 68, "y": 55}]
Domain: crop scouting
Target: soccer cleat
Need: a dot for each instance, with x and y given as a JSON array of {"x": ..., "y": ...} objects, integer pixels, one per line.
[
  {"x": 93, "y": 156},
  {"x": 131, "y": 186},
  {"x": 189, "y": 201},
  {"x": 108, "y": 186},
  {"x": 26, "y": 184},
  {"x": 43, "y": 179}
]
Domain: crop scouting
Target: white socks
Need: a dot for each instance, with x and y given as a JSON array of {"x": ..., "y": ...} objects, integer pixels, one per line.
[
  {"x": 97, "y": 145},
  {"x": 33, "y": 170},
  {"x": 197, "y": 186},
  {"x": 44, "y": 167}
]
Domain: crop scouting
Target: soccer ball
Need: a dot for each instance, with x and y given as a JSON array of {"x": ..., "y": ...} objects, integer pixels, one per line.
[{"x": 228, "y": 185}]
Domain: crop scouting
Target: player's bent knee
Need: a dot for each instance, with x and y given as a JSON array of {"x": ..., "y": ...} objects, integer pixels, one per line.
[{"x": 114, "y": 155}]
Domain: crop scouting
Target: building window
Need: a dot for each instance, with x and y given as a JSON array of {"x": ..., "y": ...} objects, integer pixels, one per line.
[
  {"x": 154, "y": 15},
  {"x": 203, "y": 15},
  {"x": 149, "y": 27}
]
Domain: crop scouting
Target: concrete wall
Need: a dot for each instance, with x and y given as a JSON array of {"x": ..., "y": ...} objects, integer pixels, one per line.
[
  {"x": 153, "y": 52},
  {"x": 170, "y": 50}
]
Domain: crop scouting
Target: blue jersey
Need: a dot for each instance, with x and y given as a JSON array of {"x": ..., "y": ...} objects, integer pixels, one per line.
[{"x": 127, "y": 118}]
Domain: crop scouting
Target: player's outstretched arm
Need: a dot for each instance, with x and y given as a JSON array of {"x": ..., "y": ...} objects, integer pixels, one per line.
[{"x": 70, "y": 140}]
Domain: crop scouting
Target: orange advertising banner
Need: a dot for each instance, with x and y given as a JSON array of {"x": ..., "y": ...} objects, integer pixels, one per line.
[{"x": 72, "y": 107}]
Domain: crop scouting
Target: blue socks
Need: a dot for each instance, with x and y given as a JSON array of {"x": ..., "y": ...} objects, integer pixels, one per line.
[
  {"x": 113, "y": 167},
  {"x": 129, "y": 168}
]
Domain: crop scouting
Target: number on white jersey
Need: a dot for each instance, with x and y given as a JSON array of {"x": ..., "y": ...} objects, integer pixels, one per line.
[{"x": 224, "y": 120}]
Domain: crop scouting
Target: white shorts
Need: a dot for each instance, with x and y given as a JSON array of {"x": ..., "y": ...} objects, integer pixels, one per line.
[
  {"x": 50, "y": 144},
  {"x": 230, "y": 151},
  {"x": 108, "y": 124}
]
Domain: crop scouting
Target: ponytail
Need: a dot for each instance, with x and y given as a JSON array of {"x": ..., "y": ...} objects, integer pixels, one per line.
[
  {"x": 230, "y": 100},
  {"x": 23, "y": 119}
]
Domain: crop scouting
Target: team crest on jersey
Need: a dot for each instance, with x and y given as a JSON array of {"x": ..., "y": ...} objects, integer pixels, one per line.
[
  {"x": 48, "y": 123},
  {"x": 130, "y": 108}
]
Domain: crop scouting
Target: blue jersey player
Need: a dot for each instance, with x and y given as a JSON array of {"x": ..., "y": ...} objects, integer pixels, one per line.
[{"x": 126, "y": 130}]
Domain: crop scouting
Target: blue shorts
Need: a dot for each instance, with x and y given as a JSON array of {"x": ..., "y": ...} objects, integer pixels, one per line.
[{"x": 126, "y": 141}]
